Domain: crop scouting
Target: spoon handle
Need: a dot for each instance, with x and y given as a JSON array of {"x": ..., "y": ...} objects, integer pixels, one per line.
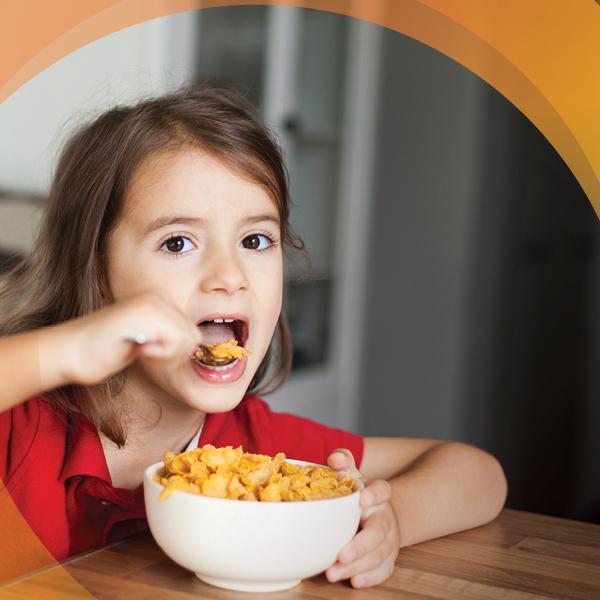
[{"x": 140, "y": 339}]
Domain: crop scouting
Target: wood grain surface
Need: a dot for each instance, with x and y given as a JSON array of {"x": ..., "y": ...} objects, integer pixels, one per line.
[{"x": 519, "y": 555}]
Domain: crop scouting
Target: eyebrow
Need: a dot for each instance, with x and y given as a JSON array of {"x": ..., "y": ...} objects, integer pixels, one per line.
[{"x": 166, "y": 220}]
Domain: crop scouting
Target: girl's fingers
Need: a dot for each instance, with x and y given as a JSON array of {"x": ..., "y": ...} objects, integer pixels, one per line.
[
  {"x": 171, "y": 335},
  {"x": 379, "y": 555},
  {"x": 164, "y": 321},
  {"x": 370, "y": 537},
  {"x": 375, "y": 576},
  {"x": 376, "y": 492},
  {"x": 95, "y": 345},
  {"x": 153, "y": 349},
  {"x": 168, "y": 347},
  {"x": 342, "y": 460}
]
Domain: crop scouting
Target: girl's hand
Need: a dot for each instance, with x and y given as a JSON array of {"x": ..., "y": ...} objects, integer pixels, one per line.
[
  {"x": 93, "y": 347},
  {"x": 369, "y": 558}
]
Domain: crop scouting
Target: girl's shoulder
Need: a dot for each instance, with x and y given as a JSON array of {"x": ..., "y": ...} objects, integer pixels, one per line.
[
  {"x": 250, "y": 402},
  {"x": 21, "y": 427},
  {"x": 265, "y": 431},
  {"x": 33, "y": 413}
]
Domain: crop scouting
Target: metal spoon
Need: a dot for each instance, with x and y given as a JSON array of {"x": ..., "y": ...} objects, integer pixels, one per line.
[{"x": 140, "y": 339}]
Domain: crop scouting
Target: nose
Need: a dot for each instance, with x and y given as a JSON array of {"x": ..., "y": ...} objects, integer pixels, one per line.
[{"x": 223, "y": 272}]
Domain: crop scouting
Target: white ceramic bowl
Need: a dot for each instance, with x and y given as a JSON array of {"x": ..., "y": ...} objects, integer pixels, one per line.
[{"x": 249, "y": 546}]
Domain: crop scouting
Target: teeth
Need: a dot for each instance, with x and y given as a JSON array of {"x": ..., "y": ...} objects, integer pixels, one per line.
[{"x": 223, "y": 320}]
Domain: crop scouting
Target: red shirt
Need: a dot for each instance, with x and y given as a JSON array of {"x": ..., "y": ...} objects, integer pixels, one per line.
[{"x": 56, "y": 471}]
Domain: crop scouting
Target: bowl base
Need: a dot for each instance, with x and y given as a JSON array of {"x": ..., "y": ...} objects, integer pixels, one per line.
[{"x": 242, "y": 585}]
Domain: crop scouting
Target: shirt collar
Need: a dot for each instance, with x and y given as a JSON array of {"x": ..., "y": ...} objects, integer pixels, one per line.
[
  {"x": 194, "y": 441},
  {"x": 84, "y": 454}
]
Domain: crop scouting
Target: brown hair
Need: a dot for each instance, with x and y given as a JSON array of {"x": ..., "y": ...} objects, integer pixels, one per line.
[{"x": 65, "y": 275}]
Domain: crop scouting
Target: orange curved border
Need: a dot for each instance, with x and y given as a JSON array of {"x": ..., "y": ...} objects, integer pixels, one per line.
[{"x": 540, "y": 54}]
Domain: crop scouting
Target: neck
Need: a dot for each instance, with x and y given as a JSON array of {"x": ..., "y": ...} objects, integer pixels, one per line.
[
  {"x": 156, "y": 422},
  {"x": 154, "y": 418}
]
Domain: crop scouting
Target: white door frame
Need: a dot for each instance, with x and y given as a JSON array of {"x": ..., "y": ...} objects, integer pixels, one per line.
[{"x": 331, "y": 393}]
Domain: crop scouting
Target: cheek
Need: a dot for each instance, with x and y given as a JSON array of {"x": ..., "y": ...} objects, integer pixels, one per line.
[
  {"x": 133, "y": 270},
  {"x": 268, "y": 292},
  {"x": 273, "y": 290},
  {"x": 125, "y": 278},
  {"x": 125, "y": 266},
  {"x": 117, "y": 273}
]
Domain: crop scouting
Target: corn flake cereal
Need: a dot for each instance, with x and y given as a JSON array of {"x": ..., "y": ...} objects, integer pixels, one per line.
[
  {"x": 222, "y": 351},
  {"x": 237, "y": 475}
]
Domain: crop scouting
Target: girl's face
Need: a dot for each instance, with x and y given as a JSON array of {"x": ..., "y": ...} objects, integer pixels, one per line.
[{"x": 209, "y": 241}]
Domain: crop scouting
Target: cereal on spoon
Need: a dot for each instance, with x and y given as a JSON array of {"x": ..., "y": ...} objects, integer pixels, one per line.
[{"x": 221, "y": 352}]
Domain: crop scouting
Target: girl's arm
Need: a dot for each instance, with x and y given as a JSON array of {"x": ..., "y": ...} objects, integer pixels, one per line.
[
  {"x": 20, "y": 358},
  {"x": 437, "y": 488},
  {"x": 88, "y": 349},
  {"x": 433, "y": 489}
]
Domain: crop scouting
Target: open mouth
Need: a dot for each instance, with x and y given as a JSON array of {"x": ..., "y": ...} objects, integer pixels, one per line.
[{"x": 216, "y": 332}]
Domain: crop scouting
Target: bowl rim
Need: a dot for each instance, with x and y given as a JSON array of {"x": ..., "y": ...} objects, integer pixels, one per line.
[{"x": 152, "y": 469}]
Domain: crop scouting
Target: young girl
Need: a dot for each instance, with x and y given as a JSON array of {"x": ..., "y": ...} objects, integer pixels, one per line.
[{"x": 165, "y": 229}]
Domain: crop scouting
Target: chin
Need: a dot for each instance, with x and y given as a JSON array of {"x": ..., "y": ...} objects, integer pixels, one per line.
[
  {"x": 214, "y": 398},
  {"x": 224, "y": 403}
]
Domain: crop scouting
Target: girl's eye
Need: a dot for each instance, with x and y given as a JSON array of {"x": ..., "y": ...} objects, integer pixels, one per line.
[
  {"x": 177, "y": 244},
  {"x": 257, "y": 241}
]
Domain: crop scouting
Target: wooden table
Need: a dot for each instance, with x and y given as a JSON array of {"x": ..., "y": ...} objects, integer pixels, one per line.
[{"x": 519, "y": 555}]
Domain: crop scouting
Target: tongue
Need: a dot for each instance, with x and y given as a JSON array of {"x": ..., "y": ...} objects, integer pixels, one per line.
[{"x": 215, "y": 333}]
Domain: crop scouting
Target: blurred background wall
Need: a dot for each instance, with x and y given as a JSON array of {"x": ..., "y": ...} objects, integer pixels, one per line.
[{"x": 455, "y": 278}]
